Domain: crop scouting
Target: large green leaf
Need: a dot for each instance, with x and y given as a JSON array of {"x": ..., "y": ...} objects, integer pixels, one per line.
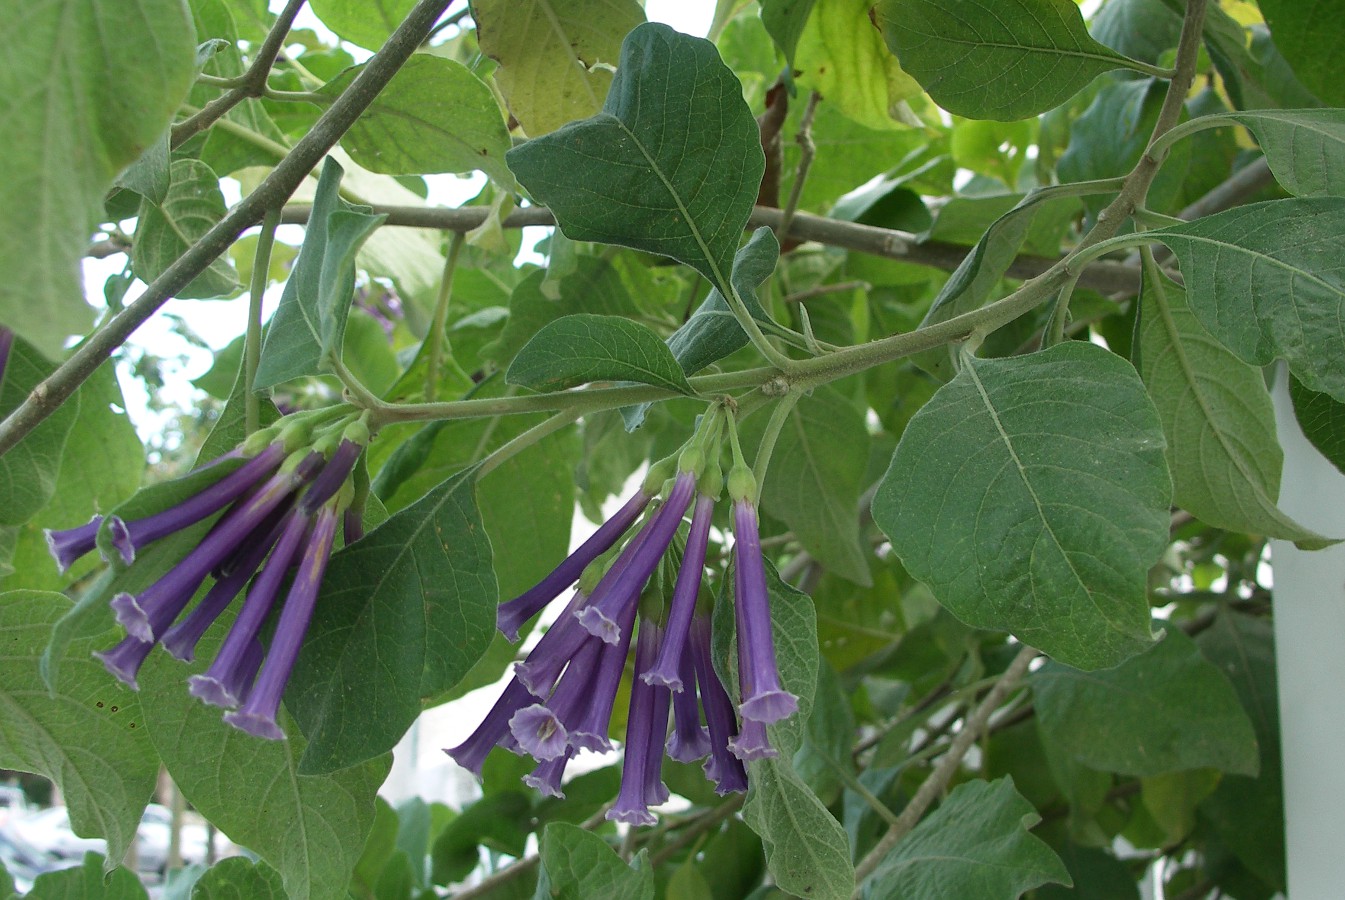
[
  {"x": 1166, "y": 710},
  {"x": 815, "y": 479},
  {"x": 578, "y": 865},
  {"x": 310, "y": 322},
  {"x": 1217, "y": 416},
  {"x": 310, "y": 828},
  {"x": 671, "y": 165},
  {"x": 29, "y": 470},
  {"x": 554, "y": 57},
  {"x": 1309, "y": 35},
  {"x": 995, "y": 59},
  {"x": 365, "y": 22},
  {"x": 976, "y": 844},
  {"x": 1322, "y": 419},
  {"x": 403, "y": 614},
  {"x": 581, "y": 348},
  {"x": 88, "y": 736},
  {"x": 1268, "y": 281},
  {"x": 434, "y": 116},
  {"x": 238, "y": 878},
  {"x": 79, "y": 101},
  {"x": 785, "y": 21},
  {"x": 95, "y": 878},
  {"x": 1304, "y": 147},
  {"x": 165, "y": 230},
  {"x": 1031, "y": 494}
]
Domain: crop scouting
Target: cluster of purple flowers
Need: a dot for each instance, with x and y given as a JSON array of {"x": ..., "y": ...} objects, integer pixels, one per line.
[
  {"x": 280, "y": 509},
  {"x": 561, "y": 696}
]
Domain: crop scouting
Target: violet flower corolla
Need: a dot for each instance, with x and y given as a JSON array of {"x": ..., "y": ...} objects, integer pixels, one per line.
[{"x": 288, "y": 519}]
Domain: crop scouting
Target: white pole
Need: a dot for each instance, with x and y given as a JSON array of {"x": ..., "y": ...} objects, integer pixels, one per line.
[{"x": 1309, "y": 628}]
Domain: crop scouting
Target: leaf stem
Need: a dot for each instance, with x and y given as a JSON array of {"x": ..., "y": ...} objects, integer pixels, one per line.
[
  {"x": 252, "y": 342},
  {"x": 504, "y": 452},
  {"x": 437, "y": 336},
  {"x": 772, "y": 434}
]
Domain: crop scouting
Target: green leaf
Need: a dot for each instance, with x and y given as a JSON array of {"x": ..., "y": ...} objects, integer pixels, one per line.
[
  {"x": 976, "y": 844},
  {"x": 554, "y": 58},
  {"x": 30, "y": 469},
  {"x": 1166, "y": 710},
  {"x": 378, "y": 849},
  {"x": 578, "y": 865},
  {"x": 1304, "y": 147},
  {"x": 403, "y": 614},
  {"x": 149, "y": 176},
  {"x": 94, "y": 878},
  {"x": 88, "y": 736},
  {"x": 982, "y": 500},
  {"x": 434, "y": 116},
  {"x": 367, "y": 23},
  {"x": 238, "y": 878},
  {"x": 785, "y": 21},
  {"x": 1217, "y": 416},
  {"x": 310, "y": 828},
  {"x": 1309, "y": 35},
  {"x": 815, "y": 478},
  {"x": 630, "y": 175},
  {"x": 1268, "y": 281},
  {"x": 1322, "y": 419},
  {"x": 1171, "y": 799},
  {"x": 165, "y": 231},
  {"x": 498, "y": 821},
  {"x": 69, "y": 134},
  {"x": 6, "y": 883},
  {"x": 995, "y": 59},
  {"x": 583, "y": 348},
  {"x": 310, "y": 322}
]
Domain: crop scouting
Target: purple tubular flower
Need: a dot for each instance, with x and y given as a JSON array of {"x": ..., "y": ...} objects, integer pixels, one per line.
[
  {"x": 546, "y": 777},
  {"x": 544, "y": 664},
  {"x": 543, "y": 730},
  {"x": 177, "y": 586},
  {"x": 139, "y": 532},
  {"x": 494, "y": 728},
  {"x": 689, "y": 740},
  {"x": 540, "y": 732},
  {"x": 764, "y": 700},
  {"x": 332, "y": 476},
  {"x": 258, "y": 713},
  {"x": 510, "y": 616},
  {"x": 752, "y": 742},
  {"x": 667, "y": 670},
  {"x": 632, "y": 801},
  {"x": 655, "y": 791},
  {"x": 6, "y": 342},
  {"x": 215, "y": 684},
  {"x": 70, "y": 544},
  {"x": 125, "y": 659},
  {"x": 590, "y": 733},
  {"x": 600, "y": 616},
  {"x": 725, "y": 769},
  {"x": 354, "y": 526}
]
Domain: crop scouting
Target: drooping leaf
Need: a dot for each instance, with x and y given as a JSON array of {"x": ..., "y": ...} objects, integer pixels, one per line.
[
  {"x": 434, "y": 116},
  {"x": 785, "y": 21},
  {"x": 554, "y": 58},
  {"x": 982, "y": 500},
  {"x": 238, "y": 878},
  {"x": 95, "y": 877},
  {"x": 671, "y": 165},
  {"x": 995, "y": 59},
  {"x": 28, "y": 472},
  {"x": 67, "y": 137},
  {"x": 1268, "y": 281},
  {"x": 498, "y": 821},
  {"x": 192, "y": 207},
  {"x": 577, "y": 349},
  {"x": 976, "y": 844},
  {"x": 310, "y": 322},
  {"x": 815, "y": 479},
  {"x": 88, "y": 736},
  {"x": 578, "y": 865},
  {"x": 367, "y": 23},
  {"x": 1166, "y": 710},
  {"x": 1322, "y": 419},
  {"x": 149, "y": 176},
  {"x": 1305, "y": 148},
  {"x": 1309, "y": 36},
  {"x": 1217, "y": 416},
  {"x": 403, "y": 614}
]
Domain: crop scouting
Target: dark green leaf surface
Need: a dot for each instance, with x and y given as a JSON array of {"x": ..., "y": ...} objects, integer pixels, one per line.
[
  {"x": 88, "y": 881},
  {"x": 434, "y": 116},
  {"x": 1167, "y": 710},
  {"x": 1304, "y": 147},
  {"x": 310, "y": 322},
  {"x": 79, "y": 102},
  {"x": 671, "y": 165},
  {"x": 784, "y": 21},
  {"x": 403, "y": 614},
  {"x": 995, "y": 59},
  {"x": 976, "y": 844},
  {"x": 1031, "y": 495},
  {"x": 1217, "y": 416},
  {"x": 1268, "y": 281},
  {"x": 88, "y": 736},
  {"x": 578, "y": 865},
  {"x": 1322, "y": 419},
  {"x": 29, "y": 471},
  {"x": 238, "y": 878},
  {"x": 578, "y": 349},
  {"x": 1310, "y": 35},
  {"x": 165, "y": 230}
]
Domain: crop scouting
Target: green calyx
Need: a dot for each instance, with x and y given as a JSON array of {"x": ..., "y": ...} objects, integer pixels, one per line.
[{"x": 742, "y": 484}]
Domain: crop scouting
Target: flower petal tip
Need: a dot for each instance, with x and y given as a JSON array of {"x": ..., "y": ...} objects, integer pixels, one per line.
[
  {"x": 255, "y": 724},
  {"x": 587, "y": 740},
  {"x": 211, "y": 690},
  {"x": 539, "y": 732},
  {"x": 689, "y": 749},
  {"x": 658, "y": 678},
  {"x": 121, "y": 539},
  {"x": 631, "y": 816},
  {"x": 131, "y": 617},
  {"x": 769, "y": 706},
  {"x": 599, "y": 625},
  {"x": 543, "y": 786}
]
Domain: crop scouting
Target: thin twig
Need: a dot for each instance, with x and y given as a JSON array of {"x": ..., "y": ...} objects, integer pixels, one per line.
[
  {"x": 807, "y": 150},
  {"x": 693, "y": 831},
  {"x": 521, "y": 867},
  {"x": 822, "y": 290},
  {"x": 54, "y": 390},
  {"x": 252, "y": 342}
]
